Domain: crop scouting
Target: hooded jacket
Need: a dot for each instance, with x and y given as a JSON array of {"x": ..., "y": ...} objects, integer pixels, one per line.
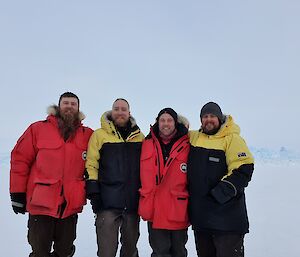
[
  {"x": 112, "y": 165},
  {"x": 163, "y": 195},
  {"x": 48, "y": 169},
  {"x": 219, "y": 168}
]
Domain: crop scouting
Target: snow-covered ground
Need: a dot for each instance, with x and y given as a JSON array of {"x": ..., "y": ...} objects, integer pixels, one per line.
[{"x": 273, "y": 199}]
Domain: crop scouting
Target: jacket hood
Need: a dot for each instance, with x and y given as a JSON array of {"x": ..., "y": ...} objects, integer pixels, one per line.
[
  {"x": 54, "y": 109},
  {"x": 227, "y": 128},
  {"x": 108, "y": 125}
]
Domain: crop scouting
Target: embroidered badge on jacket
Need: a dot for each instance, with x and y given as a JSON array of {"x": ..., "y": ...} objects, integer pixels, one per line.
[{"x": 243, "y": 154}]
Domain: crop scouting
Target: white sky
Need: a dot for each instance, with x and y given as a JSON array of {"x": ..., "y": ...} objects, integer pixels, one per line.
[{"x": 244, "y": 55}]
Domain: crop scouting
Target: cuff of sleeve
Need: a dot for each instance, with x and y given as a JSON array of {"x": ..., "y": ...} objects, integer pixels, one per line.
[{"x": 92, "y": 187}]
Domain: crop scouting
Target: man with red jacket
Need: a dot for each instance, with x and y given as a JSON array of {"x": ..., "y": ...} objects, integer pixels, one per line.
[
  {"x": 46, "y": 177},
  {"x": 163, "y": 196}
]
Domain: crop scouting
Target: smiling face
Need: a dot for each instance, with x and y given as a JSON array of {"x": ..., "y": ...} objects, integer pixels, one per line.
[
  {"x": 120, "y": 113},
  {"x": 210, "y": 124},
  {"x": 68, "y": 106},
  {"x": 166, "y": 124}
]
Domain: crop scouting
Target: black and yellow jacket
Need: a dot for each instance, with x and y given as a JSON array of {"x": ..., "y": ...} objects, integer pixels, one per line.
[
  {"x": 114, "y": 164},
  {"x": 219, "y": 168}
]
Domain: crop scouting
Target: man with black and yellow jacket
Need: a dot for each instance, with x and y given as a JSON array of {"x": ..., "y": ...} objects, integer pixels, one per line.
[
  {"x": 219, "y": 168},
  {"x": 113, "y": 180}
]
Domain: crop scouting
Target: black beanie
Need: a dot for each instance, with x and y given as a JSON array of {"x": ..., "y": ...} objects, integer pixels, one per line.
[
  {"x": 168, "y": 111},
  {"x": 212, "y": 108}
]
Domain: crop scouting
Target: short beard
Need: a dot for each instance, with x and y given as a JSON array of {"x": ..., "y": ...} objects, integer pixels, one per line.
[
  {"x": 211, "y": 132},
  {"x": 68, "y": 124}
]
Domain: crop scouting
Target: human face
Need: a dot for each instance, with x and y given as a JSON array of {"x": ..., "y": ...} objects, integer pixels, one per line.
[
  {"x": 166, "y": 124},
  {"x": 120, "y": 113},
  {"x": 68, "y": 106},
  {"x": 210, "y": 124}
]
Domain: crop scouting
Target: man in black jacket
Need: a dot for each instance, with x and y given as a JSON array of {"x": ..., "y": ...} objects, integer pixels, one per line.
[
  {"x": 113, "y": 180},
  {"x": 219, "y": 168}
]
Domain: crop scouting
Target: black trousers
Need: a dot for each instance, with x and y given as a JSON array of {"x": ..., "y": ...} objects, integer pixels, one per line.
[
  {"x": 111, "y": 223},
  {"x": 228, "y": 245},
  {"x": 43, "y": 231},
  {"x": 167, "y": 243}
]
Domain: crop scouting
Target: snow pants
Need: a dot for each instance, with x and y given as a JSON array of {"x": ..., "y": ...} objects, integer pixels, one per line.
[
  {"x": 167, "y": 243},
  {"x": 43, "y": 231},
  {"x": 227, "y": 245},
  {"x": 108, "y": 224}
]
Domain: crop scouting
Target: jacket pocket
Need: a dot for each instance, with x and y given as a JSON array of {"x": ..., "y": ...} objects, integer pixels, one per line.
[
  {"x": 178, "y": 208},
  {"x": 49, "y": 158},
  {"x": 46, "y": 193},
  {"x": 146, "y": 204},
  {"x": 75, "y": 194}
]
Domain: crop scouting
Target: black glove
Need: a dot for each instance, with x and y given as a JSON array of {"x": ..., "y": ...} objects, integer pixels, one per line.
[
  {"x": 18, "y": 202},
  {"x": 223, "y": 192},
  {"x": 95, "y": 202}
]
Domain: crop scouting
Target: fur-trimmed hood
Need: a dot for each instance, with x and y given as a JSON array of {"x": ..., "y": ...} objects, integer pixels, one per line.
[
  {"x": 183, "y": 120},
  {"x": 53, "y": 110}
]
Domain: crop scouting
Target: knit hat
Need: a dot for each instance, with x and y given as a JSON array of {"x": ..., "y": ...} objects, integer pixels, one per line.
[
  {"x": 212, "y": 108},
  {"x": 168, "y": 111}
]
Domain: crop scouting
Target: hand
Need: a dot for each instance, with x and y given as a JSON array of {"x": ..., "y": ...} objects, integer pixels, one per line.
[
  {"x": 95, "y": 202},
  {"x": 18, "y": 202},
  {"x": 223, "y": 192}
]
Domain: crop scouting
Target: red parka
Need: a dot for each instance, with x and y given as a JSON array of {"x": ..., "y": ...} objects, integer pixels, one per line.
[
  {"x": 50, "y": 170},
  {"x": 163, "y": 195}
]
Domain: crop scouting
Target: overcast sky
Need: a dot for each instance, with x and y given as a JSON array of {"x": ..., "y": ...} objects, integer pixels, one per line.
[{"x": 244, "y": 55}]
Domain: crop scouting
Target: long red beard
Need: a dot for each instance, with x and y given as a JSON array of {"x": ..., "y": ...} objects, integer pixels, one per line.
[{"x": 68, "y": 124}]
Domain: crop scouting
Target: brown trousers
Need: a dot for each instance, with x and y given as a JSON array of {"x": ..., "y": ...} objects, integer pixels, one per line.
[
  {"x": 43, "y": 231},
  {"x": 108, "y": 224}
]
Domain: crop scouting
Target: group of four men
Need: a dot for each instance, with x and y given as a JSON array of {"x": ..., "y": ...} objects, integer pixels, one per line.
[{"x": 172, "y": 178}]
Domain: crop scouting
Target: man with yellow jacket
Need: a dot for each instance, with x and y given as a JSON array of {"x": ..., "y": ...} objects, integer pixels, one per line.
[
  {"x": 113, "y": 180},
  {"x": 219, "y": 168}
]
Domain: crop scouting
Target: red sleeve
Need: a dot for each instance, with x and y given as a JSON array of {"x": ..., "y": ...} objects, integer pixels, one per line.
[{"x": 22, "y": 158}]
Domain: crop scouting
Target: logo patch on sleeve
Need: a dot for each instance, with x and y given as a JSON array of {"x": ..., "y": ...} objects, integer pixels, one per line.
[{"x": 243, "y": 154}]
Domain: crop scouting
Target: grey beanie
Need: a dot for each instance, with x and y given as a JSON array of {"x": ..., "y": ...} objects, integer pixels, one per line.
[{"x": 212, "y": 108}]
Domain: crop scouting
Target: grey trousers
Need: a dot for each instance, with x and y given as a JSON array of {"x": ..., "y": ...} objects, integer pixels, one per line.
[
  {"x": 167, "y": 243},
  {"x": 227, "y": 245},
  {"x": 108, "y": 225},
  {"x": 43, "y": 231}
]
